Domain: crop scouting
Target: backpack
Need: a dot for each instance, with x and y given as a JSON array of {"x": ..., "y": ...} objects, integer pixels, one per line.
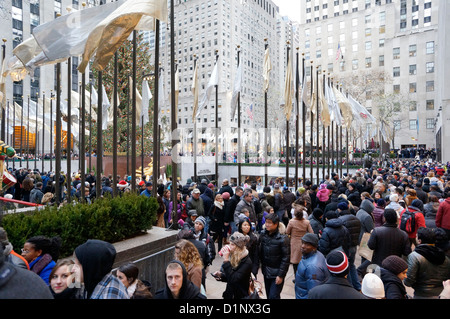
[{"x": 408, "y": 221}]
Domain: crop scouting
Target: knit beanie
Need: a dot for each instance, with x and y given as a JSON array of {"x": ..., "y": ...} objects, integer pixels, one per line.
[
  {"x": 201, "y": 220},
  {"x": 226, "y": 196},
  {"x": 342, "y": 205},
  {"x": 239, "y": 239},
  {"x": 394, "y": 264},
  {"x": 372, "y": 286},
  {"x": 337, "y": 263},
  {"x": 417, "y": 203}
]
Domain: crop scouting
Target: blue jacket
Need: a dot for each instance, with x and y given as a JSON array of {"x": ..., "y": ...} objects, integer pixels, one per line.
[
  {"x": 45, "y": 272},
  {"x": 312, "y": 271}
]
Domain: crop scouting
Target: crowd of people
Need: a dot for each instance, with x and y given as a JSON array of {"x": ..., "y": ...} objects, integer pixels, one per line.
[{"x": 396, "y": 219}]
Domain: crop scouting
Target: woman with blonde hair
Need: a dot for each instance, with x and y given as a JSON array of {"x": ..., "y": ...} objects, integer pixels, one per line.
[
  {"x": 187, "y": 253},
  {"x": 236, "y": 268},
  {"x": 411, "y": 195}
]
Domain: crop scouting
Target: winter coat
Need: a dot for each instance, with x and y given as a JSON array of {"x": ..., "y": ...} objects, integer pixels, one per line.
[
  {"x": 296, "y": 229},
  {"x": 226, "y": 189},
  {"x": 196, "y": 204},
  {"x": 428, "y": 267},
  {"x": 216, "y": 216},
  {"x": 311, "y": 272},
  {"x": 289, "y": 198},
  {"x": 43, "y": 266},
  {"x": 352, "y": 224},
  {"x": 334, "y": 235},
  {"x": 316, "y": 224},
  {"x": 36, "y": 195},
  {"x": 251, "y": 209},
  {"x": 237, "y": 279},
  {"x": 393, "y": 286},
  {"x": 430, "y": 211},
  {"x": 335, "y": 288},
  {"x": 354, "y": 197},
  {"x": 364, "y": 215},
  {"x": 443, "y": 214},
  {"x": 388, "y": 240},
  {"x": 274, "y": 254},
  {"x": 378, "y": 216}
]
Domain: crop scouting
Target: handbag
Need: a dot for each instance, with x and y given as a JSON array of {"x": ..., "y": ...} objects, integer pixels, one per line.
[
  {"x": 254, "y": 289},
  {"x": 363, "y": 249}
]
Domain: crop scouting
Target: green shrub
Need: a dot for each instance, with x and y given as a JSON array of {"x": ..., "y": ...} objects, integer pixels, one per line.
[{"x": 108, "y": 219}]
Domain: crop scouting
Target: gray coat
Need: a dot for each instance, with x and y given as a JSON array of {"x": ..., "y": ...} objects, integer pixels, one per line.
[{"x": 364, "y": 215}]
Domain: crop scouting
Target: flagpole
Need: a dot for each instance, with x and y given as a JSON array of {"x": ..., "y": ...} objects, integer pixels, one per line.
[
  {"x": 239, "y": 125},
  {"x": 133, "y": 117},
  {"x": 340, "y": 146},
  {"x": 14, "y": 130},
  {"x": 266, "y": 147},
  {"x": 287, "y": 122},
  {"x": 3, "y": 131},
  {"x": 195, "y": 133},
  {"x": 82, "y": 138},
  {"x": 303, "y": 123},
  {"x": 115, "y": 113},
  {"x": 28, "y": 132},
  {"x": 217, "y": 126},
  {"x": 21, "y": 133},
  {"x": 173, "y": 111},
  {"x": 43, "y": 132},
  {"x": 155, "y": 110},
  {"x": 36, "y": 131},
  {"x": 328, "y": 136},
  {"x": 311, "y": 138},
  {"x": 90, "y": 125},
  {"x": 330, "y": 84},
  {"x": 317, "y": 126},
  {"x": 99, "y": 135},
  {"x": 297, "y": 120},
  {"x": 52, "y": 95},
  {"x": 58, "y": 134},
  {"x": 323, "y": 131},
  {"x": 69, "y": 124}
]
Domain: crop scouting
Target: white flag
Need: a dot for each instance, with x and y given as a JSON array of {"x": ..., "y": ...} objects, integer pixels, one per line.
[
  {"x": 105, "y": 107},
  {"x": 194, "y": 90},
  {"x": 236, "y": 90},
  {"x": 146, "y": 96},
  {"x": 213, "y": 81},
  {"x": 266, "y": 70}
]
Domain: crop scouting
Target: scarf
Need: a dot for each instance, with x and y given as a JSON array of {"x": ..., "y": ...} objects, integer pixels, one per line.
[
  {"x": 41, "y": 263},
  {"x": 218, "y": 204}
]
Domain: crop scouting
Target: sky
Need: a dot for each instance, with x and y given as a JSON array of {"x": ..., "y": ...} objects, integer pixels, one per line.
[{"x": 290, "y": 8}]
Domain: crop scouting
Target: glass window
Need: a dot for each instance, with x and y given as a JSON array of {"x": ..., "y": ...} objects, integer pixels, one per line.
[
  {"x": 412, "y": 69},
  {"x": 396, "y": 53},
  {"x": 413, "y": 124},
  {"x": 430, "y": 124},
  {"x": 396, "y": 71},
  {"x": 430, "y": 67},
  {"x": 412, "y": 50},
  {"x": 430, "y": 86},
  {"x": 430, "y": 47},
  {"x": 412, "y": 87},
  {"x": 430, "y": 104}
]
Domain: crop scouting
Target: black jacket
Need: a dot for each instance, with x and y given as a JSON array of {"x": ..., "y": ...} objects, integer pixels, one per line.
[
  {"x": 352, "y": 223},
  {"x": 393, "y": 286},
  {"x": 274, "y": 252},
  {"x": 334, "y": 235},
  {"x": 388, "y": 240},
  {"x": 226, "y": 189},
  {"x": 237, "y": 279},
  {"x": 335, "y": 288}
]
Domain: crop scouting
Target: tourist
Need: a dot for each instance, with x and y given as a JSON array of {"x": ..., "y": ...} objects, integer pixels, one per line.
[
  {"x": 187, "y": 253},
  {"x": 63, "y": 282},
  {"x": 94, "y": 261},
  {"x": 312, "y": 269},
  {"x": 236, "y": 267},
  {"x": 393, "y": 272},
  {"x": 216, "y": 216},
  {"x": 274, "y": 256},
  {"x": 41, "y": 254},
  {"x": 128, "y": 274},
  {"x": 177, "y": 286}
]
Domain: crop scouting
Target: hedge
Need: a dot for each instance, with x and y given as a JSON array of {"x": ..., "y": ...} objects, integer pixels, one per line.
[{"x": 108, "y": 219}]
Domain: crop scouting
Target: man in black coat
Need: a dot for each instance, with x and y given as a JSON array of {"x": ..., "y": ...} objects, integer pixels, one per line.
[
  {"x": 226, "y": 188},
  {"x": 388, "y": 239},
  {"x": 233, "y": 201},
  {"x": 353, "y": 225},
  {"x": 274, "y": 251}
]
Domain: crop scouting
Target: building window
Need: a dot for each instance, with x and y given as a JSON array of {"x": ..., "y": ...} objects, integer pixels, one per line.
[
  {"x": 412, "y": 50},
  {"x": 396, "y": 71},
  {"x": 368, "y": 62},
  {"x": 413, "y": 124},
  {"x": 430, "y": 47},
  {"x": 430, "y": 105},
  {"x": 381, "y": 43},
  {"x": 368, "y": 45},
  {"x": 412, "y": 87},
  {"x": 430, "y": 124},
  {"x": 396, "y": 53},
  {"x": 397, "y": 125},
  {"x": 412, "y": 69},
  {"x": 430, "y": 67},
  {"x": 413, "y": 106},
  {"x": 355, "y": 64},
  {"x": 396, "y": 88},
  {"x": 430, "y": 86},
  {"x": 381, "y": 60}
]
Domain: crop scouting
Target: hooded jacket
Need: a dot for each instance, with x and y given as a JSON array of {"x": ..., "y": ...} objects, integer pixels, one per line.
[
  {"x": 365, "y": 216},
  {"x": 352, "y": 223},
  {"x": 188, "y": 289},
  {"x": 443, "y": 214},
  {"x": 418, "y": 217},
  {"x": 97, "y": 258},
  {"x": 428, "y": 267},
  {"x": 393, "y": 286},
  {"x": 334, "y": 235}
]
